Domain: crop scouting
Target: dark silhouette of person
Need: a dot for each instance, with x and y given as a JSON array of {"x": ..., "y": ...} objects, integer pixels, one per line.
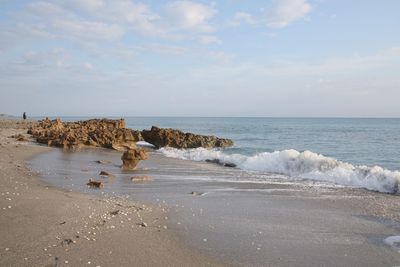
[{"x": 24, "y": 115}]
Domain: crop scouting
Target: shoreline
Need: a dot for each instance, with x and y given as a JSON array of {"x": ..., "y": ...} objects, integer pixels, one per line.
[{"x": 42, "y": 225}]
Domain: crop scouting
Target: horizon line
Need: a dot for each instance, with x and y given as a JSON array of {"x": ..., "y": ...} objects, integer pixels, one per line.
[{"x": 197, "y": 116}]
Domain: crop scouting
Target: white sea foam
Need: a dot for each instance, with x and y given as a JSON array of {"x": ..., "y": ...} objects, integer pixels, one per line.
[
  {"x": 144, "y": 144},
  {"x": 307, "y": 165},
  {"x": 393, "y": 241}
]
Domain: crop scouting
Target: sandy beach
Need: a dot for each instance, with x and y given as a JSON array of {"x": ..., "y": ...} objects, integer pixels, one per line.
[{"x": 44, "y": 226}]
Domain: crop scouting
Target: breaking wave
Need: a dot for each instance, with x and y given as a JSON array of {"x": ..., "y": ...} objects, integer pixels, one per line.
[{"x": 306, "y": 165}]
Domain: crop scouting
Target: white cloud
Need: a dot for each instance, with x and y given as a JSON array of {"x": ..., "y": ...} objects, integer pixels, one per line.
[
  {"x": 240, "y": 18},
  {"x": 163, "y": 49},
  {"x": 87, "y": 66},
  {"x": 93, "y": 21},
  {"x": 191, "y": 16},
  {"x": 209, "y": 39},
  {"x": 286, "y": 11},
  {"x": 279, "y": 15},
  {"x": 221, "y": 57},
  {"x": 87, "y": 30},
  {"x": 37, "y": 62},
  {"x": 43, "y": 10},
  {"x": 137, "y": 15},
  {"x": 88, "y": 5},
  {"x": 58, "y": 21},
  {"x": 342, "y": 65},
  {"x": 133, "y": 16},
  {"x": 335, "y": 67}
]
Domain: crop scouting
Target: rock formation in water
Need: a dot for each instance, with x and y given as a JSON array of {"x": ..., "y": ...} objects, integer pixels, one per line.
[
  {"x": 96, "y": 132},
  {"x": 163, "y": 137},
  {"x": 219, "y": 162},
  {"x": 131, "y": 158}
]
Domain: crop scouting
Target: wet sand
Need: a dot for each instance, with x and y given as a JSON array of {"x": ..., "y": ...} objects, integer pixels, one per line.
[
  {"x": 243, "y": 223},
  {"x": 41, "y": 225}
]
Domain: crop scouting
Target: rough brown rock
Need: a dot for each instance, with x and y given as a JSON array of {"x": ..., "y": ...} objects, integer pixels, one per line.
[
  {"x": 161, "y": 137},
  {"x": 94, "y": 184},
  {"x": 96, "y": 132},
  {"x": 131, "y": 158}
]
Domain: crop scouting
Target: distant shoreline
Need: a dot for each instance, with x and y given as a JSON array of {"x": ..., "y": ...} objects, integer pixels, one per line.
[{"x": 222, "y": 117}]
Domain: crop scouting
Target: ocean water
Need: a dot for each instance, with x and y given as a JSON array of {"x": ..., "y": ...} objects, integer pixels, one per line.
[{"x": 359, "y": 152}]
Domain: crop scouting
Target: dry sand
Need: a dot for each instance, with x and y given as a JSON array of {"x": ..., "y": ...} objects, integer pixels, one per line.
[{"x": 45, "y": 226}]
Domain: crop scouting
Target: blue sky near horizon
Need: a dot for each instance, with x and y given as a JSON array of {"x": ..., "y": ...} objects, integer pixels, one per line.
[{"x": 295, "y": 58}]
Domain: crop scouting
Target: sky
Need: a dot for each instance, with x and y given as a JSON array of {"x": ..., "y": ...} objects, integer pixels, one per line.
[{"x": 276, "y": 58}]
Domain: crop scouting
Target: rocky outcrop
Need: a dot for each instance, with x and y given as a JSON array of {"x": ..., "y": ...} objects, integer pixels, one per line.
[
  {"x": 162, "y": 137},
  {"x": 96, "y": 132},
  {"x": 131, "y": 158}
]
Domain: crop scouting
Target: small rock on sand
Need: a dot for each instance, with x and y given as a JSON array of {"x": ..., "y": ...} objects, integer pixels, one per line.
[
  {"x": 94, "y": 184},
  {"x": 115, "y": 212},
  {"x": 66, "y": 241},
  {"x": 20, "y": 138},
  {"x": 104, "y": 173},
  {"x": 103, "y": 161}
]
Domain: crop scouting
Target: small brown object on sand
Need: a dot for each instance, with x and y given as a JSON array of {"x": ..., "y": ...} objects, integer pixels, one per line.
[
  {"x": 115, "y": 212},
  {"x": 140, "y": 178},
  {"x": 20, "y": 137},
  {"x": 103, "y": 161},
  {"x": 104, "y": 173},
  {"x": 94, "y": 184}
]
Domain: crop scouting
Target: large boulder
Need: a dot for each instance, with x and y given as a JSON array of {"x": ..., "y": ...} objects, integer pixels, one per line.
[
  {"x": 96, "y": 132},
  {"x": 165, "y": 137},
  {"x": 131, "y": 157}
]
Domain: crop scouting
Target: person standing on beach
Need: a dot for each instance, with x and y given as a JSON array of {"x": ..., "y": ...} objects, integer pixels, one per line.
[{"x": 24, "y": 115}]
